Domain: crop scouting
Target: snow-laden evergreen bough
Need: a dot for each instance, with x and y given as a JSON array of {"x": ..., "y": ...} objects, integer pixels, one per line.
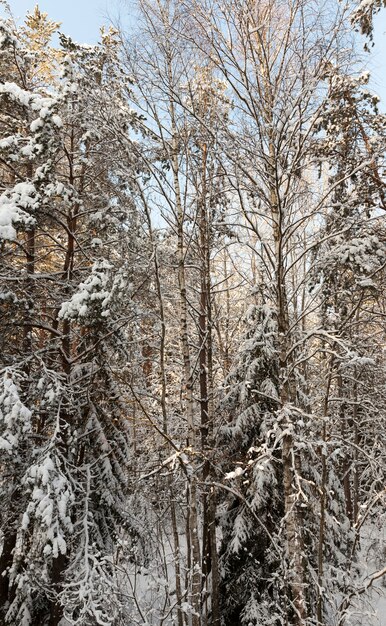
[{"x": 66, "y": 232}]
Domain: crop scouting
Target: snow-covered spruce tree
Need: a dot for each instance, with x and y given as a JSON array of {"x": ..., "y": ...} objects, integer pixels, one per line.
[
  {"x": 68, "y": 232},
  {"x": 350, "y": 267},
  {"x": 29, "y": 144},
  {"x": 250, "y": 557}
]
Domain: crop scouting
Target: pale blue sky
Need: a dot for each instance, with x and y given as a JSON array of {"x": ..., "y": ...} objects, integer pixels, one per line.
[
  {"x": 81, "y": 20},
  {"x": 377, "y": 65}
]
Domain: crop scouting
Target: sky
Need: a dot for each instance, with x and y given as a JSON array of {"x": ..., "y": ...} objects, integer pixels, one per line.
[
  {"x": 81, "y": 20},
  {"x": 377, "y": 64}
]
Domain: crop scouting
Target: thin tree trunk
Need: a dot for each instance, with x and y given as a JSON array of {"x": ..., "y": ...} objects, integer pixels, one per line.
[
  {"x": 188, "y": 383},
  {"x": 177, "y": 567},
  {"x": 323, "y": 501}
]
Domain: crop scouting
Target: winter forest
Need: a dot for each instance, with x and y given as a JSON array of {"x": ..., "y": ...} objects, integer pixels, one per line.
[{"x": 193, "y": 318}]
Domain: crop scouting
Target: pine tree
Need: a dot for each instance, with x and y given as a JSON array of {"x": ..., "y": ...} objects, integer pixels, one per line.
[{"x": 66, "y": 283}]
